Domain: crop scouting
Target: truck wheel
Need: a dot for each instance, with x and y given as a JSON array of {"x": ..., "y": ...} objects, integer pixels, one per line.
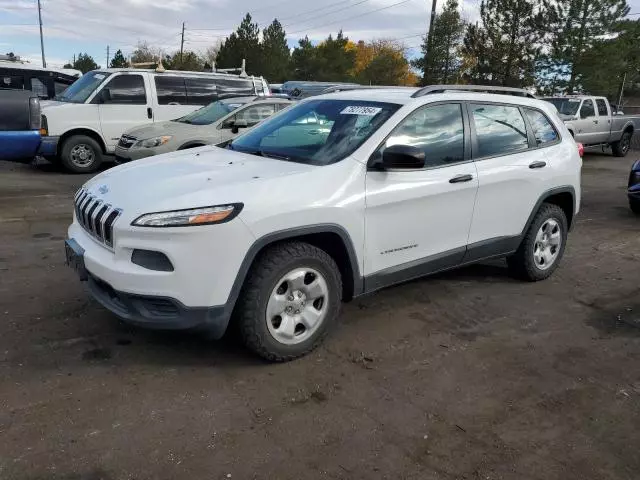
[
  {"x": 81, "y": 154},
  {"x": 289, "y": 302},
  {"x": 543, "y": 245},
  {"x": 635, "y": 206},
  {"x": 621, "y": 147}
]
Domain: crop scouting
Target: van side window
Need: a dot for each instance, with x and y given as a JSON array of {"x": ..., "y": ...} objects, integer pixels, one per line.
[
  {"x": 436, "y": 130},
  {"x": 127, "y": 90},
  {"x": 542, "y": 128},
  {"x": 237, "y": 86},
  {"x": 500, "y": 129},
  {"x": 602, "y": 107},
  {"x": 12, "y": 81},
  {"x": 39, "y": 88},
  {"x": 201, "y": 91},
  {"x": 171, "y": 90}
]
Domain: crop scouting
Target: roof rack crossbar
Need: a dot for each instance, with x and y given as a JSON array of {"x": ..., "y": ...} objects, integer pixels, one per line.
[{"x": 518, "y": 92}]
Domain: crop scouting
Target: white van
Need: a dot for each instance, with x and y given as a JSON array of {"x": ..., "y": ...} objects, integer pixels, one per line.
[{"x": 86, "y": 121}]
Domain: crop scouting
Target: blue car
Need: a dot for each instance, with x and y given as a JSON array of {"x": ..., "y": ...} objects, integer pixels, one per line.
[
  {"x": 634, "y": 188},
  {"x": 19, "y": 125}
]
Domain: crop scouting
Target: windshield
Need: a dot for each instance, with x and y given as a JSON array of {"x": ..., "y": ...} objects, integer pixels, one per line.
[
  {"x": 565, "y": 106},
  {"x": 317, "y": 132},
  {"x": 210, "y": 113},
  {"x": 81, "y": 89}
]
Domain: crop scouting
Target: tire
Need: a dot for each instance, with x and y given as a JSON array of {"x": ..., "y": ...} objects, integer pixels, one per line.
[
  {"x": 81, "y": 154},
  {"x": 621, "y": 147},
  {"x": 526, "y": 262},
  {"x": 277, "y": 276},
  {"x": 634, "y": 205}
]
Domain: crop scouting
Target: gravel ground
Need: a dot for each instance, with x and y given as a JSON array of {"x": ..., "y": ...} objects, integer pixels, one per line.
[{"x": 465, "y": 375}]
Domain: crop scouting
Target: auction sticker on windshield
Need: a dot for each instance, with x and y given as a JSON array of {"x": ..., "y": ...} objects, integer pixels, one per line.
[{"x": 357, "y": 110}]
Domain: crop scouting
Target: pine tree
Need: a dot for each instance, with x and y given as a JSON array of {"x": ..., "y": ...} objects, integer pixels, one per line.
[
  {"x": 304, "y": 64},
  {"x": 118, "y": 60},
  {"x": 576, "y": 27},
  {"x": 275, "y": 52},
  {"x": 336, "y": 58},
  {"x": 441, "y": 63},
  {"x": 85, "y": 63},
  {"x": 244, "y": 43},
  {"x": 504, "y": 47}
]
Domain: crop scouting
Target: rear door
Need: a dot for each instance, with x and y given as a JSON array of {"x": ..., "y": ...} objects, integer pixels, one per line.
[
  {"x": 512, "y": 174},
  {"x": 170, "y": 98},
  {"x": 123, "y": 104}
]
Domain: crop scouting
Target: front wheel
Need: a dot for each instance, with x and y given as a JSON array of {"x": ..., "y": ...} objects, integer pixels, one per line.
[
  {"x": 621, "y": 147},
  {"x": 290, "y": 301},
  {"x": 81, "y": 154},
  {"x": 543, "y": 245}
]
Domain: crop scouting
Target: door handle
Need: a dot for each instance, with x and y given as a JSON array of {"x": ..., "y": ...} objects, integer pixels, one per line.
[
  {"x": 539, "y": 164},
  {"x": 313, "y": 132},
  {"x": 461, "y": 179},
  {"x": 149, "y": 113}
]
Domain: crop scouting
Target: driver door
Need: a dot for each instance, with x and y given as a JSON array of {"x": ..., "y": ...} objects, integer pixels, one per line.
[{"x": 417, "y": 221}]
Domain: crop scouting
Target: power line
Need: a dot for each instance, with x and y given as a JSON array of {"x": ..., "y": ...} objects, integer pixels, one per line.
[
  {"x": 328, "y": 13},
  {"x": 355, "y": 16},
  {"x": 311, "y": 11}
]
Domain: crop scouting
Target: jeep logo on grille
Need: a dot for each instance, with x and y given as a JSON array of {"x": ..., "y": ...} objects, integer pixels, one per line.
[{"x": 103, "y": 189}]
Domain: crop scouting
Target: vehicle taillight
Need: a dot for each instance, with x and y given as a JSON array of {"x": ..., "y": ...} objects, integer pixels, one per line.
[
  {"x": 580, "y": 149},
  {"x": 34, "y": 113},
  {"x": 44, "y": 126}
]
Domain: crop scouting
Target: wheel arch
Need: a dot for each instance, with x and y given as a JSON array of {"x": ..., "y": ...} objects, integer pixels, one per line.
[
  {"x": 331, "y": 238},
  {"x": 564, "y": 197},
  {"x": 81, "y": 131},
  {"x": 192, "y": 144}
]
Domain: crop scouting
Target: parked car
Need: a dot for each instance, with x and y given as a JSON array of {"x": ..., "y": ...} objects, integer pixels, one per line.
[
  {"x": 591, "y": 122},
  {"x": 214, "y": 124},
  {"x": 304, "y": 89},
  {"x": 633, "y": 191},
  {"x": 86, "y": 121},
  {"x": 19, "y": 125},
  {"x": 46, "y": 83},
  {"x": 287, "y": 221}
]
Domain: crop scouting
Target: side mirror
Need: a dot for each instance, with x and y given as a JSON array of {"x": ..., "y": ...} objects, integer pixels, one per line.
[
  {"x": 402, "y": 157},
  {"x": 238, "y": 124}
]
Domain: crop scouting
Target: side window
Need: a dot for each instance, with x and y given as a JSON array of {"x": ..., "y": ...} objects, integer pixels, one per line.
[
  {"x": 587, "y": 109},
  {"x": 436, "y": 130},
  {"x": 201, "y": 91},
  {"x": 234, "y": 86},
  {"x": 39, "y": 88},
  {"x": 171, "y": 90},
  {"x": 256, "y": 113},
  {"x": 500, "y": 129},
  {"x": 542, "y": 128},
  {"x": 126, "y": 90},
  {"x": 59, "y": 86},
  {"x": 12, "y": 81},
  {"x": 602, "y": 107}
]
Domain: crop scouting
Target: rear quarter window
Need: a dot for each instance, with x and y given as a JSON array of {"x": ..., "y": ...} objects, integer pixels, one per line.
[{"x": 543, "y": 129}]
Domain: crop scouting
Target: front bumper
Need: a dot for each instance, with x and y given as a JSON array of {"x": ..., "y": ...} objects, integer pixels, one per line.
[
  {"x": 49, "y": 146},
  {"x": 194, "y": 294},
  {"x": 124, "y": 155}
]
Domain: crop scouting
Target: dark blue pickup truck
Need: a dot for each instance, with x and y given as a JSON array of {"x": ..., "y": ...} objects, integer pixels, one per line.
[{"x": 19, "y": 125}]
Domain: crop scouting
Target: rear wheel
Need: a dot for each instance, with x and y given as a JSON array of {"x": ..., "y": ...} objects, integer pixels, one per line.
[
  {"x": 543, "y": 245},
  {"x": 290, "y": 301},
  {"x": 621, "y": 147},
  {"x": 81, "y": 154}
]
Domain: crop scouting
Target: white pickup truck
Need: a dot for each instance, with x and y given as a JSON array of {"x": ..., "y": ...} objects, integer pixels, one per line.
[{"x": 591, "y": 122}]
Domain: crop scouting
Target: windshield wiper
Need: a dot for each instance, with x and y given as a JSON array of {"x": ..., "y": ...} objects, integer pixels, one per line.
[{"x": 260, "y": 153}]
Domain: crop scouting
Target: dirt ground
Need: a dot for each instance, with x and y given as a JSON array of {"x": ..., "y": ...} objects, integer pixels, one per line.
[{"x": 466, "y": 375}]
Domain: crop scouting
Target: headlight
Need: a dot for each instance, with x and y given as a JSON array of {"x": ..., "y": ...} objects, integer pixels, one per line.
[
  {"x": 153, "y": 142},
  {"x": 193, "y": 216}
]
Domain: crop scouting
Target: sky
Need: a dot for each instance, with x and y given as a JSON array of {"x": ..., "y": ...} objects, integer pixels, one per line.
[{"x": 74, "y": 26}]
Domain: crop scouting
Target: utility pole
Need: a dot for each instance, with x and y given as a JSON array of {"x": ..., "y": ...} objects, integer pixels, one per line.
[
  {"x": 429, "y": 33},
  {"x": 44, "y": 64},
  {"x": 182, "y": 43},
  {"x": 107, "y": 65}
]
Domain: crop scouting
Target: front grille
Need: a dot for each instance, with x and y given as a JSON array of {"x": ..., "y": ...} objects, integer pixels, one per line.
[
  {"x": 95, "y": 216},
  {"x": 127, "y": 141}
]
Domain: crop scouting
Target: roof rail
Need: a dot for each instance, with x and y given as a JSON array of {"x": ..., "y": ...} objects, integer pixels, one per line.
[
  {"x": 345, "y": 88},
  {"x": 518, "y": 92}
]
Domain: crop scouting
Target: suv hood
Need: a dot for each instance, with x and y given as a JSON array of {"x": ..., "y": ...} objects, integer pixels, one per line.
[{"x": 188, "y": 179}]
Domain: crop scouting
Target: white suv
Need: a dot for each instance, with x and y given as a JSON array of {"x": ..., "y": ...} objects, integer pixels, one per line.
[{"x": 335, "y": 197}]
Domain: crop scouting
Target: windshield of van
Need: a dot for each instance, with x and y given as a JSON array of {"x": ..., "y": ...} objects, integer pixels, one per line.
[
  {"x": 210, "y": 113},
  {"x": 565, "y": 106},
  {"x": 81, "y": 89},
  {"x": 316, "y": 132}
]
